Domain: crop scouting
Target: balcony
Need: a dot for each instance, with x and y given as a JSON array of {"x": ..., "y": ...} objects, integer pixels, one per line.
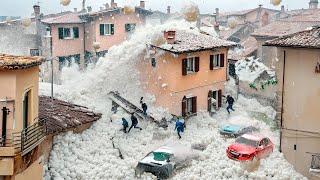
[{"x": 24, "y": 141}]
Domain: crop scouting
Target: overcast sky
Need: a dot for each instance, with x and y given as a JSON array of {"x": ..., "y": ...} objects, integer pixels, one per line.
[{"x": 24, "y": 7}]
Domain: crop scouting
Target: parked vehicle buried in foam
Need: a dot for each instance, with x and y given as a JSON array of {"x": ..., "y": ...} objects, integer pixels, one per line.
[
  {"x": 249, "y": 147},
  {"x": 163, "y": 161},
  {"x": 232, "y": 130}
]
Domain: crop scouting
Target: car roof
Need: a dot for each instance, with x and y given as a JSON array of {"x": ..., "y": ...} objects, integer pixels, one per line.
[
  {"x": 165, "y": 149},
  {"x": 253, "y": 137}
]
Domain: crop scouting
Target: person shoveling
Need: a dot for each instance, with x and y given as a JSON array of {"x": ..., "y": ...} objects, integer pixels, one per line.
[{"x": 180, "y": 125}]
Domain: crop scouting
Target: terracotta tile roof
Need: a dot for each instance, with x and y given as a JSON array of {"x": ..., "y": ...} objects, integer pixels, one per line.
[
  {"x": 191, "y": 42},
  {"x": 68, "y": 18},
  {"x": 304, "y": 15},
  {"x": 244, "y": 12},
  {"x": 249, "y": 45},
  {"x": 282, "y": 28},
  {"x": 11, "y": 62},
  {"x": 61, "y": 116},
  {"x": 304, "y": 39}
]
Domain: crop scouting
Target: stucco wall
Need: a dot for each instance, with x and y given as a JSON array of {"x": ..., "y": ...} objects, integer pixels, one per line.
[
  {"x": 18, "y": 40},
  {"x": 14, "y": 84},
  {"x": 301, "y": 97},
  {"x": 168, "y": 71},
  {"x": 120, "y": 35},
  {"x": 66, "y": 47}
]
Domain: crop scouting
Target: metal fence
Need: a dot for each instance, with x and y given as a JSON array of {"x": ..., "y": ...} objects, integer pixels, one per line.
[{"x": 26, "y": 140}]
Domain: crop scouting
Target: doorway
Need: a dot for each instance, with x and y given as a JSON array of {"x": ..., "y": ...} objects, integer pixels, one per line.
[
  {"x": 214, "y": 100},
  {"x": 26, "y": 109}
]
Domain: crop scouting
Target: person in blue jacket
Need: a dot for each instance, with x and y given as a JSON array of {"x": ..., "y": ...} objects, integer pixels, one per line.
[{"x": 179, "y": 127}]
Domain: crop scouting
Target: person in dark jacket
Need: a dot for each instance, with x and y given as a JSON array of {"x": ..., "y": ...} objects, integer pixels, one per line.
[
  {"x": 179, "y": 127},
  {"x": 125, "y": 125},
  {"x": 230, "y": 102},
  {"x": 143, "y": 106},
  {"x": 134, "y": 122}
]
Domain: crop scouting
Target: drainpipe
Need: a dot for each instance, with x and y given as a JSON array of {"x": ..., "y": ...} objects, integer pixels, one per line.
[
  {"x": 84, "y": 44},
  {"x": 281, "y": 120}
]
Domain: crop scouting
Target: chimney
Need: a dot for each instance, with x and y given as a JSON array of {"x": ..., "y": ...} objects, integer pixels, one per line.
[
  {"x": 113, "y": 4},
  {"x": 75, "y": 9},
  {"x": 217, "y": 28},
  {"x": 89, "y": 8},
  {"x": 36, "y": 9},
  {"x": 259, "y": 12},
  {"x": 217, "y": 15},
  {"x": 170, "y": 36},
  {"x": 107, "y": 6},
  {"x": 169, "y": 10},
  {"x": 143, "y": 4},
  {"x": 282, "y": 8}
]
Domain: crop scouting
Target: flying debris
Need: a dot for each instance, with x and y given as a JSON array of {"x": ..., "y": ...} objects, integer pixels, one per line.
[
  {"x": 190, "y": 12},
  {"x": 232, "y": 23},
  {"x": 65, "y": 2},
  {"x": 128, "y": 10},
  {"x": 275, "y": 2},
  {"x": 96, "y": 45},
  {"x": 26, "y": 22}
]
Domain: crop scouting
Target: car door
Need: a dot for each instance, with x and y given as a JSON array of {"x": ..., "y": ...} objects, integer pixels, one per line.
[{"x": 260, "y": 150}]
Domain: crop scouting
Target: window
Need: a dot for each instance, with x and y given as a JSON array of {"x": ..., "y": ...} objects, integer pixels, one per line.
[
  {"x": 68, "y": 33},
  {"x": 190, "y": 65},
  {"x": 68, "y": 60},
  {"x": 48, "y": 31},
  {"x": 216, "y": 61},
  {"x": 130, "y": 27},
  {"x": 315, "y": 164},
  {"x": 189, "y": 106},
  {"x": 34, "y": 52},
  {"x": 153, "y": 62},
  {"x": 106, "y": 29}
]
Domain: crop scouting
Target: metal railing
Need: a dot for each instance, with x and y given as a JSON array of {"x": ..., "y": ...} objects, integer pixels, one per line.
[{"x": 26, "y": 140}]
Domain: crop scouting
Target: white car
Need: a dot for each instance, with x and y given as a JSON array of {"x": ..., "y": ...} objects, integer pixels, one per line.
[
  {"x": 163, "y": 161},
  {"x": 159, "y": 162}
]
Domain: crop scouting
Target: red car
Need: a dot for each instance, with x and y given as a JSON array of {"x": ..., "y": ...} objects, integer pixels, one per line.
[{"x": 247, "y": 147}]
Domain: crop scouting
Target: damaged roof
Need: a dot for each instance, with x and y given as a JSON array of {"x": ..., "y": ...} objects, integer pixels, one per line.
[
  {"x": 305, "y": 39},
  {"x": 61, "y": 116},
  {"x": 11, "y": 62},
  {"x": 192, "y": 42}
]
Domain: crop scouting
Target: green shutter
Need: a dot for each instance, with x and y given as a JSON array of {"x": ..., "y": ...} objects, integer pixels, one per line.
[
  {"x": 75, "y": 32},
  {"x": 112, "y": 29},
  {"x": 101, "y": 29},
  {"x": 60, "y": 30}
]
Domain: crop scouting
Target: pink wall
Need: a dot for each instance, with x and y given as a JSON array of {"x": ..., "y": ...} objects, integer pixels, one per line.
[
  {"x": 66, "y": 47},
  {"x": 120, "y": 35},
  {"x": 169, "y": 71}
]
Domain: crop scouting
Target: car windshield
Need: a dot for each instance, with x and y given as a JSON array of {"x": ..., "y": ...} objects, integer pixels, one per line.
[
  {"x": 161, "y": 156},
  {"x": 250, "y": 142}
]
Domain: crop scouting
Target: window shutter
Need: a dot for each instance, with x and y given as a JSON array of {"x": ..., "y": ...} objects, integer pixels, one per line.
[
  {"x": 60, "y": 30},
  {"x": 219, "y": 98},
  {"x": 75, "y": 32},
  {"x": 127, "y": 27},
  {"x": 221, "y": 60},
  {"x": 112, "y": 29},
  {"x": 101, "y": 29},
  {"x": 184, "y": 106},
  {"x": 211, "y": 62},
  {"x": 184, "y": 67},
  {"x": 210, "y": 94},
  {"x": 194, "y": 104},
  {"x": 197, "y": 63}
]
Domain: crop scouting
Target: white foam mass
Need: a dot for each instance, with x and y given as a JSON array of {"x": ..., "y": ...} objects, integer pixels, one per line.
[{"x": 90, "y": 155}]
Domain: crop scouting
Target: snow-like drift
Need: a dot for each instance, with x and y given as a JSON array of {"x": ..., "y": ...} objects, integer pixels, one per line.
[
  {"x": 250, "y": 69},
  {"x": 90, "y": 155}
]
